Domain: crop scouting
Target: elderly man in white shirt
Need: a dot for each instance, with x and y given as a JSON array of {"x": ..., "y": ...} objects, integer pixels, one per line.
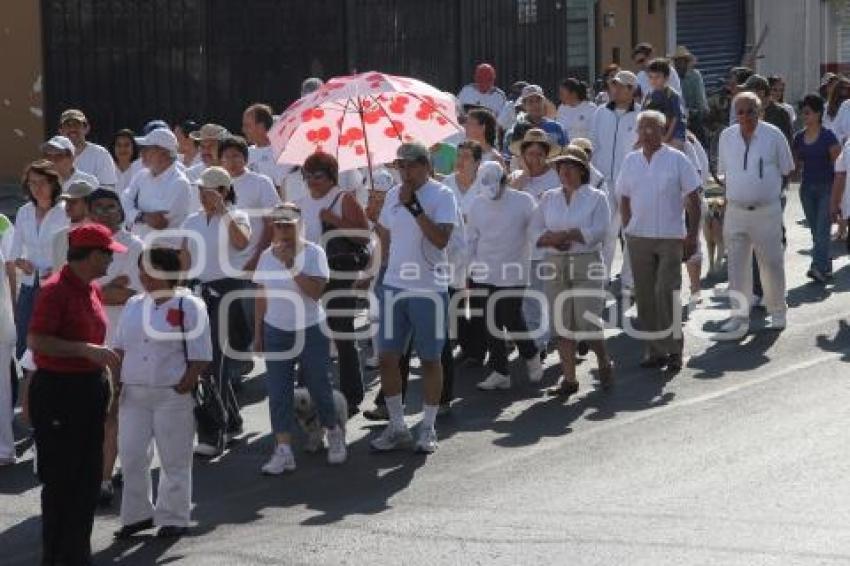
[
  {"x": 257, "y": 120},
  {"x": 657, "y": 183},
  {"x": 89, "y": 157},
  {"x": 60, "y": 151},
  {"x": 159, "y": 197},
  {"x": 483, "y": 92},
  {"x": 755, "y": 157}
]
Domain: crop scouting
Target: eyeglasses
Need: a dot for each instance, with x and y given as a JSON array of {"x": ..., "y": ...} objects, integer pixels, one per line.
[{"x": 315, "y": 175}]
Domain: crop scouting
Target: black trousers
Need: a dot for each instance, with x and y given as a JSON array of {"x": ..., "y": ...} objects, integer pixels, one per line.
[
  {"x": 236, "y": 335},
  {"x": 350, "y": 371},
  {"x": 507, "y": 314},
  {"x": 68, "y": 413}
]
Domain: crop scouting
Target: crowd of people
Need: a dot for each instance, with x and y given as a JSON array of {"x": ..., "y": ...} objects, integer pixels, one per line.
[{"x": 147, "y": 278}]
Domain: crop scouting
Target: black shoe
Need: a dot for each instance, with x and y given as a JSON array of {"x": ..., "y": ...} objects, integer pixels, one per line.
[
  {"x": 582, "y": 349},
  {"x": 170, "y": 531},
  {"x": 674, "y": 363},
  {"x": 118, "y": 479},
  {"x": 127, "y": 531},
  {"x": 379, "y": 413},
  {"x": 107, "y": 491}
]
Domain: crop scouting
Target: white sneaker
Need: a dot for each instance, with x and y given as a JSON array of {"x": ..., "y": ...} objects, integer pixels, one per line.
[
  {"x": 535, "y": 369},
  {"x": 735, "y": 324},
  {"x": 336, "y": 445},
  {"x": 392, "y": 438},
  {"x": 282, "y": 460},
  {"x": 777, "y": 321},
  {"x": 204, "y": 449},
  {"x": 427, "y": 442},
  {"x": 495, "y": 381}
]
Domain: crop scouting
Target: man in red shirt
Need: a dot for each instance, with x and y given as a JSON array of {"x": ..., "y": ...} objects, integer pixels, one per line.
[{"x": 69, "y": 393}]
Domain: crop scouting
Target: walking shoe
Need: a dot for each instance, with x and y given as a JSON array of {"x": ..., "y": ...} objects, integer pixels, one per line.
[
  {"x": 282, "y": 460},
  {"x": 379, "y": 413},
  {"x": 206, "y": 449},
  {"x": 427, "y": 442},
  {"x": 535, "y": 369},
  {"x": 391, "y": 439},
  {"x": 736, "y": 324},
  {"x": 495, "y": 381},
  {"x": 336, "y": 445},
  {"x": 582, "y": 349},
  {"x": 232, "y": 434},
  {"x": 127, "y": 531},
  {"x": 172, "y": 531},
  {"x": 107, "y": 492},
  {"x": 815, "y": 274},
  {"x": 777, "y": 321}
]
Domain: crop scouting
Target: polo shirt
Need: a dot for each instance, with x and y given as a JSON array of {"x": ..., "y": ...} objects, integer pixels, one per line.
[
  {"x": 70, "y": 309},
  {"x": 150, "y": 337},
  {"x": 656, "y": 190},
  {"x": 754, "y": 171}
]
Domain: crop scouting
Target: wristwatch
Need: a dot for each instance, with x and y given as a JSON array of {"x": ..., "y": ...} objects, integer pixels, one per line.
[{"x": 414, "y": 207}]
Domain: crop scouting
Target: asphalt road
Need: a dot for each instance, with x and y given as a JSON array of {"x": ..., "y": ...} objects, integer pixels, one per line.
[{"x": 742, "y": 458}]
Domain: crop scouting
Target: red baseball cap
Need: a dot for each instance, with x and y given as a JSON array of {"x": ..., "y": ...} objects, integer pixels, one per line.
[{"x": 94, "y": 236}]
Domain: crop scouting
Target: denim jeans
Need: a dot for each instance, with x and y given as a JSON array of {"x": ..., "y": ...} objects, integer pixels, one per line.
[
  {"x": 280, "y": 375},
  {"x": 815, "y": 201},
  {"x": 23, "y": 314},
  {"x": 532, "y": 309}
]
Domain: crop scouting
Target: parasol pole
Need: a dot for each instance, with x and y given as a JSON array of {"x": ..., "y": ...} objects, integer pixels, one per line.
[{"x": 365, "y": 142}]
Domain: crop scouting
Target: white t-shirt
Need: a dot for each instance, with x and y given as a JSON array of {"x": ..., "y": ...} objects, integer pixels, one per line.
[
  {"x": 262, "y": 160},
  {"x": 312, "y": 207},
  {"x": 126, "y": 264},
  {"x": 294, "y": 187},
  {"x": 656, "y": 190},
  {"x": 415, "y": 264},
  {"x": 150, "y": 336},
  {"x": 499, "y": 245},
  {"x": 125, "y": 177},
  {"x": 588, "y": 212},
  {"x": 576, "y": 120},
  {"x": 78, "y": 176},
  {"x": 96, "y": 160},
  {"x": 256, "y": 197},
  {"x": 464, "y": 199},
  {"x": 295, "y": 310},
  {"x": 754, "y": 174},
  {"x": 536, "y": 186},
  {"x": 493, "y": 100},
  {"x": 216, "y": 247}
]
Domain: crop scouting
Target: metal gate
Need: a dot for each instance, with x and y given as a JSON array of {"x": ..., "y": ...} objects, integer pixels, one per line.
[
  {"x": 713, "y": 31},
  {"x": 125, "y": 62}
]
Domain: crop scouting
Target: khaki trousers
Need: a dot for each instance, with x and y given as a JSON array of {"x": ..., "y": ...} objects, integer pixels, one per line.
[{"x": 657, "y": 269}]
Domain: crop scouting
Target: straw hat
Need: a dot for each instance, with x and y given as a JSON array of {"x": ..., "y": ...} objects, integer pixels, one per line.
[
  {"x": 572, "y": 154},
  {"x": 535, "y": 135}
]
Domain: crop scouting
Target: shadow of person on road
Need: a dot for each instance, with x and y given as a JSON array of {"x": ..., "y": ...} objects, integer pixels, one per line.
[
  {"x": 840, "y": 343},
  {"x": 746, "y": 354}
]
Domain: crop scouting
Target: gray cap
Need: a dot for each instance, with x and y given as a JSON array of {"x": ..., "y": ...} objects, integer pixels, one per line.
[
  {"x": 58, "y": 143},
  {"x": 757, "y": 83},
  {"x": 413, "y": 151},
  {"x": 77, "y": 189}
]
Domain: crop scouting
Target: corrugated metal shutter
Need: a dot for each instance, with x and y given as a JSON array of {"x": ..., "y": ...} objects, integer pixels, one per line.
[
  {"x": 844, "y": 34},
  {"x": 713, "y": 31}
]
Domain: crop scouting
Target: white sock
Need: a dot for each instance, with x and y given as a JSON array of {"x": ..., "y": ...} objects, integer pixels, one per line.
[
  {"x": 429, "y": 415},
  {"x": 396, "y": 410}
]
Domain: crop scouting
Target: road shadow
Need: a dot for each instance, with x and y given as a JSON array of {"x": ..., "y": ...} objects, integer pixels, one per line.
[
  {"x": 839, "y": 343},
  {"x": 745, "y": 354}
]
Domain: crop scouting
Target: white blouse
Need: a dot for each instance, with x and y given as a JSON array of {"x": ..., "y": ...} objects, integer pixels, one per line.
[
  {"x": 587, "y": 212},
  {"x": 168, "y": 192},
  {"x": 150, "y": 336},
  {"x": 33, "y": 240},
  {"x": 209, "y": 254}
]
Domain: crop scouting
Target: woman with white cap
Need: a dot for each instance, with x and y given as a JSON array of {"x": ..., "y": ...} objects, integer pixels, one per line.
[
  {"x": 570, "y": 225},
  {"x": 291, "y": 276},
  {"x": 163, "y": 340},
  {"x": 500, "y": 256},
  {"x": 213, "y": 257}
]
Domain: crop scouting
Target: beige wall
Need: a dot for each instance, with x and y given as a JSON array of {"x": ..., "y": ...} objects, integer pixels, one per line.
[
  {"x": 651, "y": 27},
  {"x": 21, "y": 122}
]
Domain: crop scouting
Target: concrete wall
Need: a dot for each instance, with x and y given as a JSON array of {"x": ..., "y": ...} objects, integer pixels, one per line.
[
  {"x": 629, "y": 30},
  {"x": 800, "y": 37},
  {"x": 21, "y": 123}
]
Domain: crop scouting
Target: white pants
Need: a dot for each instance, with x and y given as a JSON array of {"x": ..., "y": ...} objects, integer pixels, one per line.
[
  {"x": 7, "y": 412},
  {"x": 760, "y": 231},
  {"x": 159, "y": 415}
]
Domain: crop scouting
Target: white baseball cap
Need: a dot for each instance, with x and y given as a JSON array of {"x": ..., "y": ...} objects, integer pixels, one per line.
[
  {"x": 382, "y": 180},
  {"x": 159, "y": 137},
  {"x": 58, "y": 143}
]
